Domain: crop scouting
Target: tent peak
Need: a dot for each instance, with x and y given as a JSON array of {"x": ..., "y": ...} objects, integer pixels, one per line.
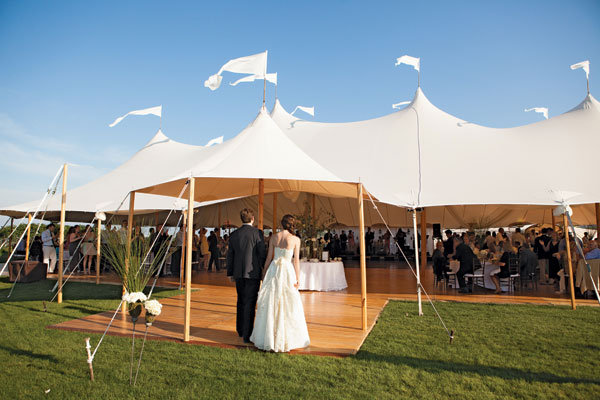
[
  {"x": 157, "y": 138},
  {"x": 588, "y": 103}
]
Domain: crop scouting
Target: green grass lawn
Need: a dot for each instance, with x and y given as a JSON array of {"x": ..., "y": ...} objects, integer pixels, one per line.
[{"x": 500, "y": 351}]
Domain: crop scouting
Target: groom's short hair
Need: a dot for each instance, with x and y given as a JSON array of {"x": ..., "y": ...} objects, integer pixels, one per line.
[{"x": 246, "y": 215}]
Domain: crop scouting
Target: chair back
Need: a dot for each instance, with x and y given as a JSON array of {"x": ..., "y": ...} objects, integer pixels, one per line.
[{"x": 513, "y": 264}]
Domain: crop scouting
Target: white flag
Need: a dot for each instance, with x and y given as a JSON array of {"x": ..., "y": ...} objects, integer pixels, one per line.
[
  {"x": 255, "y": 64},
  {"x": 147, "y": 111},
  {"x": 541, "y": 110},
  {"x": 397, "y": 105},
  {"x": 251, "y": 78},
  {"x": 414, "y": 61},
  {"x": 585, "y": 65},
  {"x": 308, "y": 110},
  {"x": 218, "y": 140}
]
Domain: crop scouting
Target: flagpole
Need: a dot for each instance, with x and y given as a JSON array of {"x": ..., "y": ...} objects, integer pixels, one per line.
[{"x": 264, "y": 89}]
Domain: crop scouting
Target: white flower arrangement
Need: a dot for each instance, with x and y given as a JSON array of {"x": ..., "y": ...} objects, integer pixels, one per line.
[
  {"x": 153, "y": 307},
  {"x": 134, "y": 297}
]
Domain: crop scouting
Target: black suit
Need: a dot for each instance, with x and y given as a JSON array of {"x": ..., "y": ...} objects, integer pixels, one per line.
[
  {"x": 245, "y": 261},
  {"x": 465, "y": 255}
]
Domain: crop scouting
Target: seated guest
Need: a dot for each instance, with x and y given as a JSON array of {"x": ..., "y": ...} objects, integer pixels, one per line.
[
  {"x": 449, "y": 243},
  {"x": 440, "y": 262},
  {"x": 503, "y": 270},
  {"x": 464, "y": 255},
  {"x": 528, "y": 261},
  {"x": 37, "y": 249},
  {"x": 594, "y": 253}
]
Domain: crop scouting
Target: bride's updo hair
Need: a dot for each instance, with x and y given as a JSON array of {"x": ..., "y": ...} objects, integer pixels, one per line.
[{"x": 288, "y": 222}]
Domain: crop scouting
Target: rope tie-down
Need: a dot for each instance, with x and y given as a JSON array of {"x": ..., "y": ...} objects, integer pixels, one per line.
[
  {"x": 420, "y": 286},
  {"x": 91, "y": 357}
]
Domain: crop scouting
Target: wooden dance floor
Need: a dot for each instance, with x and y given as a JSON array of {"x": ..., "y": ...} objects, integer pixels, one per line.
[{"x": 333, "y": 318}]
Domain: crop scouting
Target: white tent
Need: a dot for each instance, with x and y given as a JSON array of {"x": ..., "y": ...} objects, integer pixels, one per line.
[
  {"x": 107, "y": 192},
  {"x": 422, "y": 156}
]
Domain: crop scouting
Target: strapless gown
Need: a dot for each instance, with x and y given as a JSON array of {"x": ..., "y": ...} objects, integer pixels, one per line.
[{"x": 280, "y": 325}]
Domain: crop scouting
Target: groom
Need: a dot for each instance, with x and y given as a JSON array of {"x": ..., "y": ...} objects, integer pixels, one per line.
[{"x": 245, "y": 260}]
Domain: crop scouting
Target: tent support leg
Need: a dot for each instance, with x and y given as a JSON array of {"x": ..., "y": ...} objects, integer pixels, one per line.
[
  {"x": 28, "y": 237},
  {"x": 98, "y": 251},
  {"x": 363, "y": 256},
  {"x": 571, "y": 277},
  {"x": 597, "y": 206},
  {"x": 274, "y": 213},
  {"x": 417, "y": 261},
  {"x": 188, "y": 261},
  {"x": 129, "y": 232},
  {"x": 61, "y": 238},
  {"x": 261, "y": 203}
]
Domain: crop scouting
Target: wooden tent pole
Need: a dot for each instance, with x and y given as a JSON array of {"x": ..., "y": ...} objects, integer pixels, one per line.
[
  {"x": 12, "y": 220},
  {"x": 128, "y": 242},
  {"x": 274, "y": 213},
  {"x": 183, "y": 249},
  {"x": 423, "y": 238},
  {"x": 188, "y": 261},
  {"x": 571, "y": 277},
  {"x": 314, "y": 208},
  {"x": 597, "y": 221},
  {"x": 363, "y": 256},
  {"x": 261, "y": 203},
  {"x": 28, "y": 237},
  {"x": 219, "y": 220},
  {"x": 61, "y": 237},
  {"x": 98, "y": 251},
  {"x": 417, "y": 267},
  {"x": 553, "y": 220}
]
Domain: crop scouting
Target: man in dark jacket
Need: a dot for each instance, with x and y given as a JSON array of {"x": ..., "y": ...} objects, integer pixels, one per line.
[
  {"x": 245, "y": 261},
  {"x": 465, "y": 256}
]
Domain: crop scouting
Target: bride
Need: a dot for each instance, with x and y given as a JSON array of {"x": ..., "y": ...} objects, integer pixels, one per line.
[{"x": 280, "y": 324}]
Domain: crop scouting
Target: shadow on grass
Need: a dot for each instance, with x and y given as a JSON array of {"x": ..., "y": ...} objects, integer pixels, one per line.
[
  {"x": 439, "y": 366},
  {"x": 37, "y": 356}
]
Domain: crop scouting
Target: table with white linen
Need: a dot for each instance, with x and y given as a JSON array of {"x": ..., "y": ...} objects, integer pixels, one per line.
[
  {"x": 322, "y": 276},
  {"x": 583, "y": 280}
]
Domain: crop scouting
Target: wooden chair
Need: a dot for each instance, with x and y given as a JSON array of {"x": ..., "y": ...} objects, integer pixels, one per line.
[{"x": 513, "y": 269}]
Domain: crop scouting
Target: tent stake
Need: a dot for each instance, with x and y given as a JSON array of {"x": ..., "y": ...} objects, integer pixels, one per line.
[{"x": 89, "y": 358}]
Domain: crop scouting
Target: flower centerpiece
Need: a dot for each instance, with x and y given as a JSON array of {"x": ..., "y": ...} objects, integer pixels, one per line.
[
  {"x": 153, "y": 310},
  {"x": 311, "y": 225}
]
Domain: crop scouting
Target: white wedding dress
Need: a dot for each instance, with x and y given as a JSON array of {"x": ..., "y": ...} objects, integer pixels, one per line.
[{"x": 280, "y": 324}]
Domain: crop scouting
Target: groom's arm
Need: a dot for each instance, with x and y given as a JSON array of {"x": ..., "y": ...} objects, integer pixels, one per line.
[{"x": 230, "y": 258}]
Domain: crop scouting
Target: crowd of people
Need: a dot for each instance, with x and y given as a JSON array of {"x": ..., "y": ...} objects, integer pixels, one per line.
[{"x": 546, "y": 250}]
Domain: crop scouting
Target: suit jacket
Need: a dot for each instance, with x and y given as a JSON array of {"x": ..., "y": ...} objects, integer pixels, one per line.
[{"x": 246, "y": 254}]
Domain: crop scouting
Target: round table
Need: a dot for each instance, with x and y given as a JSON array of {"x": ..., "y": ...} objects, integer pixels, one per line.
[{"x": 322, "y": 276}]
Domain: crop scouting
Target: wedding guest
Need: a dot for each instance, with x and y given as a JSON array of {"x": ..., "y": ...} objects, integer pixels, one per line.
[
  {"x": 528, "y": 261},
  {"x": 440, "y": 262},
  {"x": 369, "y": 239},
  {"x": 594, "y": 253},
  {"x": 36, "y": 251},
  {"x": 503, "y": 270},
  {"x": 213, "y": 248},
  {"x": 518, "y": 237},
  {"x": 343, "y": 242},
  {"x": 543, "y": 256},
  {"x": 552, "y": 248},
  {"x": 586, "y": 240},
  {"x": 204, "y": 248},
  {"x": 88, "y": 250},
  {"x": 74, "y": 237},
  {"x": 351, "y": 241},
  {"x": 49, "y": 249},
  {"x": 449, "y": 244},
  {"x": 465, "y": 256},
  {"x": 386, "y": 242},
  {"x": 563, "y": 273}
]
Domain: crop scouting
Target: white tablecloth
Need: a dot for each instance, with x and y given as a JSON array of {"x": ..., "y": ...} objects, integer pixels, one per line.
[{"x": 322, "y": 276}]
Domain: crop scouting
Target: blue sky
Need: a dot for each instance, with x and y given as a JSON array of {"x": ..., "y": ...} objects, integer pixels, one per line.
[{"x": 68, "y": 69}]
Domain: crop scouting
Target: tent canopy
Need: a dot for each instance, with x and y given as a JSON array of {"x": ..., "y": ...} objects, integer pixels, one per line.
[
  {"x": 260, "y": 151},
  {"x": 422, "y": 156}
]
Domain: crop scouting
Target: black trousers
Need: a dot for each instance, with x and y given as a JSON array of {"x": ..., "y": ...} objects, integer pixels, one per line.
[
  {"x": 247, "y": 292},
  {"x": 460, "y": 275},
  {"x": 214, "y": 258}
]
